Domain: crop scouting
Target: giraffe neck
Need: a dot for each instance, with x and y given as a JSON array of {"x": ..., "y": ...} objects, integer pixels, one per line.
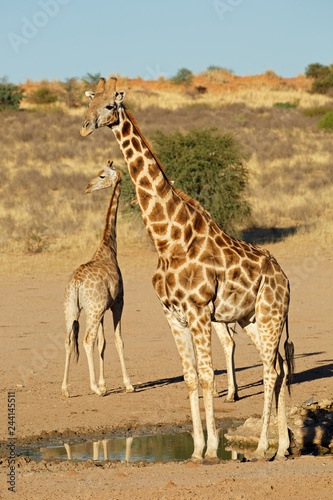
[
  {"x": 155, "y": 194},
  {"x": 108, "y": 243}
]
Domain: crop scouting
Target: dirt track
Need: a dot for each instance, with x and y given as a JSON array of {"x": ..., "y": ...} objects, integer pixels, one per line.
[{"x": 32, "y": 327}]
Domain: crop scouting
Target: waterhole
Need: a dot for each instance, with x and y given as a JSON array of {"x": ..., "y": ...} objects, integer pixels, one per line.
[{"x": 148, "y": 448}]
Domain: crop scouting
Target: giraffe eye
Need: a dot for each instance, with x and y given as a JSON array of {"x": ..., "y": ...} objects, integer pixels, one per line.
[
  {"x": 102, "y": 176},
  {"x": 109, "y": 107}
]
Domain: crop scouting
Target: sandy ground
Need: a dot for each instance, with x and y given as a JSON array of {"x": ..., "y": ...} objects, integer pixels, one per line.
[{"x": 32, "y": 335}]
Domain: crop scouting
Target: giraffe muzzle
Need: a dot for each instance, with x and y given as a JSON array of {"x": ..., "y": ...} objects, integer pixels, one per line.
[{"x": 86, "y": 128}]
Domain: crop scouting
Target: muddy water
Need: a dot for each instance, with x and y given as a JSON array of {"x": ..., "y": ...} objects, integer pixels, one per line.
[{"x": 152, "y": 448}]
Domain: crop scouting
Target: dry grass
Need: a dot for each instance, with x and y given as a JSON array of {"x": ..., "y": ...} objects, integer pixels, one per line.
[{"x": 45, "y": 165}]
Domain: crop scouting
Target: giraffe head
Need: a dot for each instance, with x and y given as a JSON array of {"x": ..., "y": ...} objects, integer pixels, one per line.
[
  {"x": 103, "y": 108},
  {"x": 107, "y": 177}
]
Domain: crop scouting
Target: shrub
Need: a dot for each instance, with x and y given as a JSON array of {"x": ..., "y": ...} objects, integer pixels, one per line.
[
  {"x": 43, "y": 95},
  {"x": 323, "y": 77},
  {"x": 71, "y": 88},
  {"x": 316, "y": 111},
  {"x": 285, "y": 104},
  {"x": 208, "y": 166},
  {"x": 326, "y": 122},
  {"x": 316, "y": 70},
  {"x": 10, "y": 96},
  {"x": 183, "y": 77}
]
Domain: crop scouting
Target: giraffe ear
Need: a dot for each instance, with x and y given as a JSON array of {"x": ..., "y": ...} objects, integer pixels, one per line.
[
  {"x": 120, "y": 97},
  {"x": 89, "y": 94}
]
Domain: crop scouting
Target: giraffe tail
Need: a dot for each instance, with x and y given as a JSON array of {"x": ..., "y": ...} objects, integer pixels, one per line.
[
  {"x": 290, "y": 359},
  {"x": 74, "y": 339}
]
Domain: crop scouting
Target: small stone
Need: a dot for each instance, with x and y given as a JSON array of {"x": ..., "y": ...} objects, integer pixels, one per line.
[
  {"x": 71, "y": 472},
  {"x": 170, "y": 484}
]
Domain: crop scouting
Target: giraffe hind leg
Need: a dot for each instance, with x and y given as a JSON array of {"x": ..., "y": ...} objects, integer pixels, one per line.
[
  {"x": 117, "y": 310},
  {"x": 71, "y": 346},
  {"x": 225, "y": 335},
  {"x": 101, "y": 350}
]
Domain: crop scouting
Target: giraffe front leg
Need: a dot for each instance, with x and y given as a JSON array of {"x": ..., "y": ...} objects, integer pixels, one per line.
[
  {"x": 201, "y": 332},
  {"x": 226, "y": 338},
  {"x": 117, "y": 310},
  {"x": 101, "y": 349},
  {"x": 184, "y": 341}
]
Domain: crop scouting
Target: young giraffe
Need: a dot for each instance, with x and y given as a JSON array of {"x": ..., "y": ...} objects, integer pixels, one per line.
[
  {"x": 203, "y": 275},
  {"x": 96, "y": 287}
]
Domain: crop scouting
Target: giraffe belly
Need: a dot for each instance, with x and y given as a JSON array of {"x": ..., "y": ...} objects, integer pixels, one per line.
[{"x": 233, "y": 309}]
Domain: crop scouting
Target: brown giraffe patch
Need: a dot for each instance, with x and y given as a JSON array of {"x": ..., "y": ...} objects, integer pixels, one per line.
[
  {"x": 188, "y": 233},
  {"x": 144, "y": 198},
  {"x": 195, "y": 302},
  {"x": 251, "y": 269},
  {"x": 211, "y": 275},
  {"x": 199, "y": 224},
  {"x": 211, "y": 254},
  {"x": 160, "y": 229},
  {"x": 126, "y": 128},
  {"x": 175, "y": 232},
  {"x": 179, "y": 294},
  {"x": 163, "y": 188},
  {"x": 157, "y": 214},
  {"x": 145, "y": 182},
  {"x": 153, "y": 171},
  {"x": 191, "y": 276},
  {"x": 232, "y": 258},
  {"x": 126, "y": 144},
  {"x": 162, "y": 245},
  {"x": 136, "y": 144},
  {"x": 158, "y": 284},
  {"x": 136, "y": 167},
  {"x": 129, "y": 153},
  {"x": 118, "y": 135},
  {"x": 178, "y": 256},
  {"x": 206, "y": 292},
  {"x": 182, "y": 215},
  {"x": 195, "y": 247},
  {"x": 148, "y": 154},
  {"x": 170, "y": 281},
  {"x": 171, "y": 205}
]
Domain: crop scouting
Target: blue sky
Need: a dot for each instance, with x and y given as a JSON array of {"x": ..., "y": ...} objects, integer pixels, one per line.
[{"x": 59, "y": 39}]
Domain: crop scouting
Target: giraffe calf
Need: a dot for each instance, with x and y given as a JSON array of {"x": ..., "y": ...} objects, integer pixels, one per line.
[{"x": 95, "y": 287}]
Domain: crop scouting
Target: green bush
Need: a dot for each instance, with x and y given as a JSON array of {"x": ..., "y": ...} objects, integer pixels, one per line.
[
  {"x": 285, "y": 104},
  {"x": 326, "y": 122},
  {"x": 316, "y": 70},
  {"x": 10, "y": 96},
  {"x": 183, "y": 77},
  {"x": 208, "y": 166},
  {"x": 316, "y": 111},
  {"x": 323, "y": 77},
  {"x": 43, "y": 95}
]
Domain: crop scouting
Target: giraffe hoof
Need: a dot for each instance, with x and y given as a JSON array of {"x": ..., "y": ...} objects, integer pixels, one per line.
[
  {"x": 196, "y": 460},
  {"x": 65, "y": 393},
  {"x": 211, "y": 460},
  {"x": 231, "y": 399},
  {"x": 216, "y": 394},
  {"x": 130, "y": 389},
  {"x": 103, "y": 389}
]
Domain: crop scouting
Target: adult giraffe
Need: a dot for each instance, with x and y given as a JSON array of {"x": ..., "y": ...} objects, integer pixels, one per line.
[{"x": 203, "y": 275}]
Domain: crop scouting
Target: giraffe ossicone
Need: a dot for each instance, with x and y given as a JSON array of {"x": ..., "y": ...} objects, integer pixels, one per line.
[
  {"x": 96, "y": 287},
  {"x": 203, "y": 277}
]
